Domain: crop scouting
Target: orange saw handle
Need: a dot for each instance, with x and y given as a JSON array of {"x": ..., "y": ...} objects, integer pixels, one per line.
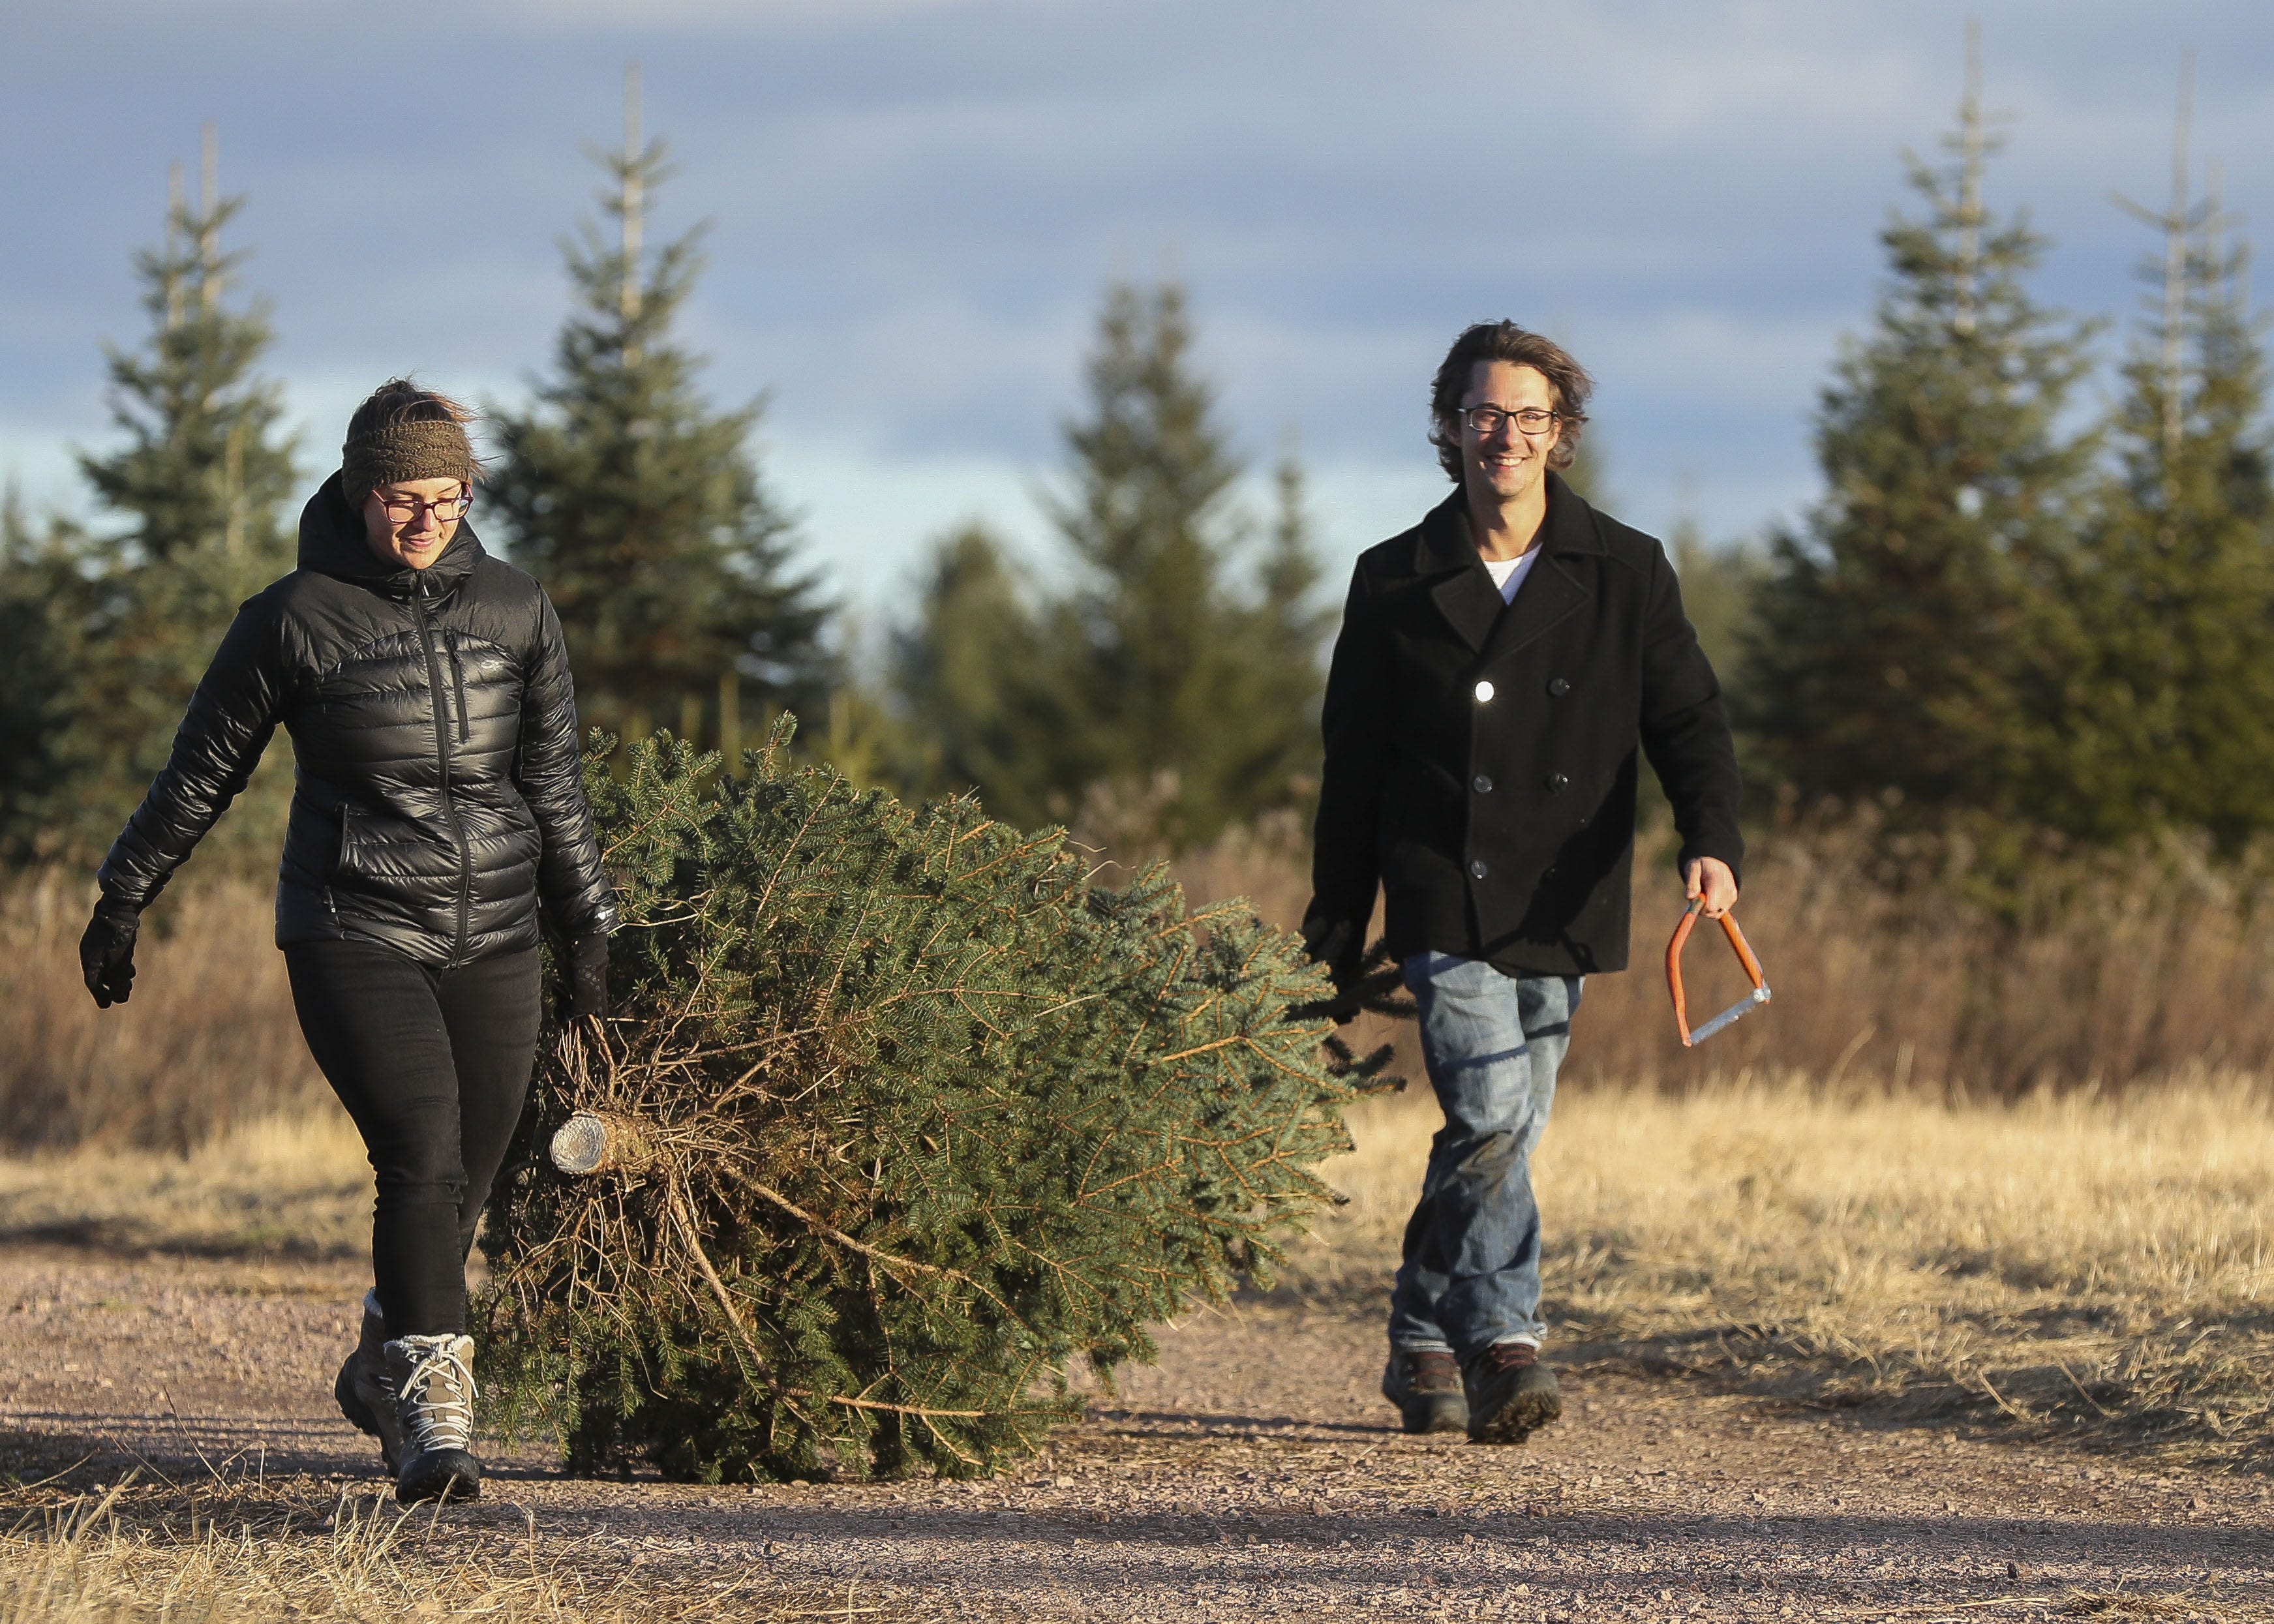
[{"x": 1736, "y": 1012}]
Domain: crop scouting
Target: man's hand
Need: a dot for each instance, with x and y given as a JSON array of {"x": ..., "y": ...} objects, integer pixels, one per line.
[
  {"x": 1340, "y": 945},
  {"x": 1710, "y": 877}
]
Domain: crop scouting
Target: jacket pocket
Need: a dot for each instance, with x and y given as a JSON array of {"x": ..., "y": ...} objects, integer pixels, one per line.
[
  {"x": 350, "y": 843},
  {"x": 522, "y": 829},
  {"x": 1421, "y": 801}
]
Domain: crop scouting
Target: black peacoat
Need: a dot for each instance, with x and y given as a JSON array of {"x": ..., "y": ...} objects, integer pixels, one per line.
[{"x": 1481, "y": 758}]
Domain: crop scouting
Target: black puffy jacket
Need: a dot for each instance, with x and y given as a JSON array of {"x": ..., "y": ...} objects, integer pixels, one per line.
[{"x": 438, "y": 789}]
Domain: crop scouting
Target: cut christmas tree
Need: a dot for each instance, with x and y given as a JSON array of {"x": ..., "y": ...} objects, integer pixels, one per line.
[{"x": 896, "y": 1118}]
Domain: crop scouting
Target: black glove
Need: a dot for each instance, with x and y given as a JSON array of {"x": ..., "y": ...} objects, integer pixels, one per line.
[
  {"x": 106, "y": 952},
  {"x": 587, "y": 971},
  {"x": 1340, "y": 945}
]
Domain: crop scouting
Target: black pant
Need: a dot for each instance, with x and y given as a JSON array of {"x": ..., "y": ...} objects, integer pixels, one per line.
[{"x": 434, "y": 1067}]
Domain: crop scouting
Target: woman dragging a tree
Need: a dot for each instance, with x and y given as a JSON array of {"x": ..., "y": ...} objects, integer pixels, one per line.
[{"x": 438, "y": 797}]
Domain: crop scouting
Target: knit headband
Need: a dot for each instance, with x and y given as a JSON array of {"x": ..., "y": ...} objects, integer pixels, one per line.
[{"x": 402, "y": 452}]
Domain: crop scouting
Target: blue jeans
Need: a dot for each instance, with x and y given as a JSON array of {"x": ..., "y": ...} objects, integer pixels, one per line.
[{"x": 1492, "y": 1043}]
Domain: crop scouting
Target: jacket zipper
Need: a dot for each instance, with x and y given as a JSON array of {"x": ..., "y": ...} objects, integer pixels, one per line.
[
  {"x": 442, "y": 753},
  {"x": 458, "y": 687}
]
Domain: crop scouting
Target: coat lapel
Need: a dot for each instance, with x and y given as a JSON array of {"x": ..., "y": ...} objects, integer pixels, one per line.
[
  {"x": 1465, "y": 596},
  {"x": 1557, "y": 587},
  {"x": 1550, "y": 593}
]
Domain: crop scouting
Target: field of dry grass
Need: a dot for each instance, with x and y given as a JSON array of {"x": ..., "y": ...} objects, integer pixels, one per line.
[
  {"x": 1826, "y": 1200},
  {"x": 1967, "y": 1172},
  {"x": 2096, "y": 1265},
  {"x": 290, "y": 1186},
  {"x": 206, "y": 1043},
  {"x": 2089, "y": 1272},
  {"x": 2090, "y": 1266},
  {"x": 2087, "y": 1275},
  {"x": 2112, "y": 973}
]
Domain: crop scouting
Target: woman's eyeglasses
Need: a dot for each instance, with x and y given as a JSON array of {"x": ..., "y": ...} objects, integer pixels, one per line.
[{"x": 402, "y": 509}]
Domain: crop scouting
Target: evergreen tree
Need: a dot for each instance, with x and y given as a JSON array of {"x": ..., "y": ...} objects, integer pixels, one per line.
[
  {"x": 2171, "y": 677},
  {"x": 642, "y": 510},
  {"x": 895, "y": 1118},
  {"x": 45, "y": 603},
  {"x": 201, "y": 484},
  {"x": 1718, "y": 584},
  {"x": 980, "y": 706},
  {"x": 1900, "y": 641},
  {"x": 1158, "y": 648},
  {"x": 1272, "y": 718},
  {"x": 203, "y": 469},
  {"x": 1178, "y": 678}
]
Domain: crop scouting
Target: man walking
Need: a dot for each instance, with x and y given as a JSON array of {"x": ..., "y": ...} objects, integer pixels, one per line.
[{"x": 1498, "y": 667}]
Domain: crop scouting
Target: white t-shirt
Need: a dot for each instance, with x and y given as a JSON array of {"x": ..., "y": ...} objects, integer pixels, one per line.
[{"x": 1508, "y": 574}]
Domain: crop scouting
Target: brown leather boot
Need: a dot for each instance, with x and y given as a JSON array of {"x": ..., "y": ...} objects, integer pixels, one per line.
[
  {"x": 1511, "y": 1394},
  {"x": 1425, "y": 1384}
]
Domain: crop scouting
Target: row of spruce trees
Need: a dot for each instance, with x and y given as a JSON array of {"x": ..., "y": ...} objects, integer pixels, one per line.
[
  {"x": 1185, "y": 653},
  {"x": 2007, "y": 607},
  {"x": 2007, "y": 612}
]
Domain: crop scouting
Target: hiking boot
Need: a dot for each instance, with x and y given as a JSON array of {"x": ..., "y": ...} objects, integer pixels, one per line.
[
  {"x": 1511, "y": 1394},
  {"x": 1425, "y": 1384},
  {"x": 364, "y": 1396},
  {"x": 433, "y": 1381}
]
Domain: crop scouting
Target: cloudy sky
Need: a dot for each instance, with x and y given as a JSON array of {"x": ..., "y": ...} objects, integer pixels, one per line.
[{"x": 915, "y": 205}]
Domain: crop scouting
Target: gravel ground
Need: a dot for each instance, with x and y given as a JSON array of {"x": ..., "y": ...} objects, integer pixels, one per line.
[{"x": 1253, "y": 1474}]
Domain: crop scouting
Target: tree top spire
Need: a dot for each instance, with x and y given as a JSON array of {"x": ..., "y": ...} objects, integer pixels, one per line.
[{"x": 632, "y": 200}]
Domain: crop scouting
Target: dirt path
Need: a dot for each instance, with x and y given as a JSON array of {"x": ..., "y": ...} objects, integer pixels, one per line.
[{"x": 1254, "y": 1474}]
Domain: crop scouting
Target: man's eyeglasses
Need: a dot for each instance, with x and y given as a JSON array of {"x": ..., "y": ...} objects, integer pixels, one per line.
[
  {"x": 402, "y": 509},
  {"x": 1487, "y": 420}
]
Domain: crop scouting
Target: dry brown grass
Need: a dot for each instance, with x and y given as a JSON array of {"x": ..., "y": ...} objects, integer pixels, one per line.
[
  {"x": 2093, "y": 1264},
  {"x": 2096, "y": 1266},
  {"x": 209, "y": 1040},
  {"x": 1829, "y": 1203},
  {"x": 2119, "y": 974},
  {"x": 2088, "y": 1258},
  {"x": 2116, "y": 971},
  {"x": 234, "y": 1551},
  {"x": 295, "y": 1187}
]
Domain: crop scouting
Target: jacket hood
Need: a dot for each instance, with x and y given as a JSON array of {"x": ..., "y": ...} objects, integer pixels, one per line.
[{"x": 332, "y": 543}]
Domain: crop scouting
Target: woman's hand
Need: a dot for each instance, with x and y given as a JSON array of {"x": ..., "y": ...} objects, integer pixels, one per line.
[
  {"x": 106, "y": 952},
  {"x": 589, "y": 977}
]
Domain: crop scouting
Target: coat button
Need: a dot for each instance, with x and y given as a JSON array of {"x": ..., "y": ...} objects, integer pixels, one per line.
[
  {"x": 1482, "y": 784},
  {"x": 1557, "y": 686},
  {"x": 1557, "y": 781},
  {"x": 1477, "y": 870},
  {"x": 1484, "y": 692}
]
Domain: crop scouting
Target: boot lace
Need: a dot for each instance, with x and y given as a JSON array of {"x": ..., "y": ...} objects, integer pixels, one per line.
[
  {"x": 1507, "y": 1356},
  {"x": 439, "y": 1393}
]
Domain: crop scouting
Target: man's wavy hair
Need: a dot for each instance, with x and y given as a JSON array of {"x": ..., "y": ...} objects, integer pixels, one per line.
[{"x": 1505, "y": 341}]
